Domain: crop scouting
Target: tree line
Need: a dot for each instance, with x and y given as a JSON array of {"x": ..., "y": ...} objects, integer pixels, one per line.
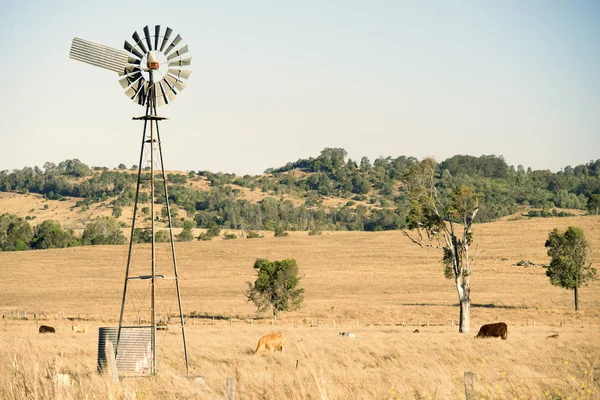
[
  {"x": 372, "y": 193},
  {"x": 16, "y": 234}
]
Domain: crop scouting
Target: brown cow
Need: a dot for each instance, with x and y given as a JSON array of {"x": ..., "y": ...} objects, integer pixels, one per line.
[
  {"x": 499, "y": 329},
  {"x": 46, "y": 329},
  {"x": 271, "y": 342}
]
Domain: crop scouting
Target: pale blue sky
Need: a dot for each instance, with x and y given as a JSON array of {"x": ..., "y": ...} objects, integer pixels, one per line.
[{"x": 275, "y": 81}]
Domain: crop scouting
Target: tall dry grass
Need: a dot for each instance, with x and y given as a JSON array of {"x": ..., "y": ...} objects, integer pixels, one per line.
[{"x": 349, "y": 276}]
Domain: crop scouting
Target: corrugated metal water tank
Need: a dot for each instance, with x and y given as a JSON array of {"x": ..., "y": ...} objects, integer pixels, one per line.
[{"x": 135, "y": 349}]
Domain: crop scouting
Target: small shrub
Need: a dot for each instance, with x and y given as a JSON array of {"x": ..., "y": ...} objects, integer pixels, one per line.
[
  {"x": 279, "y": 232},
  {"x": 205, "y": 236},
  {"x": 253, "y": 235},
  {"x": 314, "y": 232},
  {"x": 229, "y": 236}
]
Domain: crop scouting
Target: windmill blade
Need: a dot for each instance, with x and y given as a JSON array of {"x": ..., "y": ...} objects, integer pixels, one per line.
[
  {"x": 162, "y": 98},
  {"x": 133, "y": 89},
  {"x": 171, "y": 92},
  {"x": 181, "y": 63},
  {"x": 138, "y": 42},
  {"x": 156, "y": 36},
  {"x": 128, "y": 80},
  {"x": 140, "y": 92},
  {"x": 173, "y": 44},
  {"x": 178, "y": 53},
  {"x": 128, "y": 70},
  {"x": 127, "y": 46},
  {"x": 147, "y": 37},
  {"x": 133, "y": 60},
  {"x": 141, "y": 95},
  {"x": 166, "y": 38},
  {"x": 179, "y": 85},
  {"x": 98, "y": 55},
  {"x": 180, "y": 73}
]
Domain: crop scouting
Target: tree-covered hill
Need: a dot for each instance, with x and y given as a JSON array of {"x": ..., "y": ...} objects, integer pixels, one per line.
[{"x": 327, "y": 192}]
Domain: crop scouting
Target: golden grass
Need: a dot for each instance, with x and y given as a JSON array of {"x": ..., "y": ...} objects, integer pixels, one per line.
[{"x": 371, "y": 277}]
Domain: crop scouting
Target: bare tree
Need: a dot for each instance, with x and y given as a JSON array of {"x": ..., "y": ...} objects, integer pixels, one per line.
[{"x": 444, "y": 222}]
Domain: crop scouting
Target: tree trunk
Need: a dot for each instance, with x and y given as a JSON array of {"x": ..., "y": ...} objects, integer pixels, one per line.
[
  {"x": 576, "y": 299},
  {"x": 464, "y": 298},
  {"x": 465, "y": 316}
]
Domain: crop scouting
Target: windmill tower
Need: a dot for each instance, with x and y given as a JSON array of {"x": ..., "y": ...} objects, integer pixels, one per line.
[{"x": 153, "y": 70}]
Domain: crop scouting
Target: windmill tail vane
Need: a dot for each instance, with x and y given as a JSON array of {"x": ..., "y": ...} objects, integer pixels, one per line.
[{"x": 153, "y": 54}]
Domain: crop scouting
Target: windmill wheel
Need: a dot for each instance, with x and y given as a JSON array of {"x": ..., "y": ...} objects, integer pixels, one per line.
[{"x": 155, "y": 64}]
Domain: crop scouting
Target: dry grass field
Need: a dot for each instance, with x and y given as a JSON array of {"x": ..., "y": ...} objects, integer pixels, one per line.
[{"x": 379, "y": 279}]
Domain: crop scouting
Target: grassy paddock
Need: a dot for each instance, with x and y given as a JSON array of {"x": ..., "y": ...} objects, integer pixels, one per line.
[{"x": 371, "y": 277}]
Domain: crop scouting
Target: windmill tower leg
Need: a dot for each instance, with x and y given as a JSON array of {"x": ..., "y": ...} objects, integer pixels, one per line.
[
  {"x": 155, "y": 150},
  {"x": 172, "y": 239}
]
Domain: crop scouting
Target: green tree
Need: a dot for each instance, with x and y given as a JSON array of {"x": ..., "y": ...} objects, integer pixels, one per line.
[
  {"x": 593, "y": 204},
  {"x": 444, "y": 222},
  {"x": 50, "y": 235},
  {"x": 122, "y": 166},
  {"x": 276, "y": 286},
  {"x": 569, "y": 267},
  {"x": 117, "y": 211},
  {"x": 186, "y": 234},
  {"x": 15, "y": 233},
  {"x": 103, "y": 230}
]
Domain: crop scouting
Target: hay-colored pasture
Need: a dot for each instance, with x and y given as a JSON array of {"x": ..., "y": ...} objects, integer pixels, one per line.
[{"x": 349, "y": 276}]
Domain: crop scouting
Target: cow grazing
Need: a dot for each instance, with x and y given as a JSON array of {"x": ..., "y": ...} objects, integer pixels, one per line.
[
  {"x": 271, "y": 342},
  {"x": 79, "y": 329},
  {"x": 46, "y": 329},
  {"x": 499, "y": 329},
  {"x": 349, "y": 335}
]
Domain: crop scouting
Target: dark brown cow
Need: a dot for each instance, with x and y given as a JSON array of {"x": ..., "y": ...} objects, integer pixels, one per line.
[
  {"x": 499, "y": 329},
  {"x": 46, "y": 329}
]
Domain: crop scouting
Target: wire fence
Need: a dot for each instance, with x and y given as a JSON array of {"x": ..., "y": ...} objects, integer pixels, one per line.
[{"x": 221, "y": 320}]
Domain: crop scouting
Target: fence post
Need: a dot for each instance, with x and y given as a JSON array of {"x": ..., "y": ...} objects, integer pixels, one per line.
[
  {"x": 582, "y": 323},
  {"x": 251, "y": 321},
  {"x": 230, "y": 321},
  {"x": 334, "y": 323},
  {"x": 469, "y": 385},
  {"x": 231, "y": 388},
  {"x": 213, "y": 320},
  {"x": 357, "y": 323}
]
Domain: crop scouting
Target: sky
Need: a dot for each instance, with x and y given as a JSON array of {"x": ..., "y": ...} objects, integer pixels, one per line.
[{"x": 276, "y": 81}]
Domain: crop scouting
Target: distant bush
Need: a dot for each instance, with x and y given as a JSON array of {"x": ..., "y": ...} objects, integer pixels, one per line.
[
  {"x": 279, "y": 232},
  {"x": 229, "y": 236},
  {"x": 548, "y": 214},
  {"x": 103, "y": 230},
  {"x": 253, "y": 235}
]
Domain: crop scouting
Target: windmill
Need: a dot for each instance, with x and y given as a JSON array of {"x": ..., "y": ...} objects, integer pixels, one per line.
[{"x": 153, "y": 70}]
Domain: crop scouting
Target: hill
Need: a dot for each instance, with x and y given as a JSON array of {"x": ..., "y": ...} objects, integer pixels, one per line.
[{"x": 329, "y": 192}]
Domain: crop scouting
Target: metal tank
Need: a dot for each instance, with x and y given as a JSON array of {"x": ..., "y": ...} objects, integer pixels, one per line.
[{"x": 134, "y": 356}]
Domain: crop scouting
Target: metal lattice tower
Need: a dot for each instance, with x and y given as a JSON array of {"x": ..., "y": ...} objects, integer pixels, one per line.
[{"x": 152, "y": 70}]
